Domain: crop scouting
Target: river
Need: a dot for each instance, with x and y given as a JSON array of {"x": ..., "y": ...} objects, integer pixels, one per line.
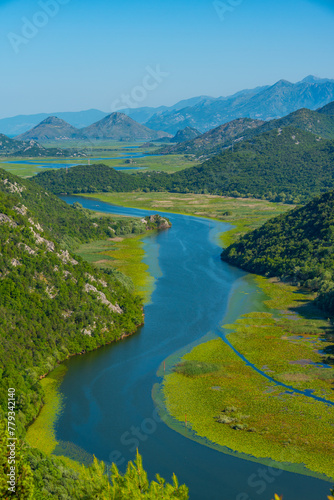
[{"x": 108, "y": 405}]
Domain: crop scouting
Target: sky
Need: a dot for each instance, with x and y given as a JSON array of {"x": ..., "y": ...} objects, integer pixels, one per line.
[{"x": 72, "y": 55}]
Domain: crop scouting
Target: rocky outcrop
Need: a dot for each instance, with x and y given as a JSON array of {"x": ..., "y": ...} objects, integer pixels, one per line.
[
  {"x": 40, "y": 241},
  {"x": 66, "y": 258},
  {"x": 13, "y": 187},
  {"x": 102, "y": 298},
  {"x": 4, "y": 219}
]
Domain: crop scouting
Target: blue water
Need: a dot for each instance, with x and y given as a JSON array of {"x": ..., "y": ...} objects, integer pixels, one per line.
[
  {"x": 108, "y": 393},
  {"x": 51, "y": 164}
]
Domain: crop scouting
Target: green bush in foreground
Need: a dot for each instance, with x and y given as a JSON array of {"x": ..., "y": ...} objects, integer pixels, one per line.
[{"x": 40, "y": 477}]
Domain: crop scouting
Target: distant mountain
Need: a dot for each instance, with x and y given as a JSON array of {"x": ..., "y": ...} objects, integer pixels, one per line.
[
  {"x": 215, "y": 139},
  {"x": 50, "y": 129},
  {"x": 11, "y": 147},
  {"x": 211, "y": 143},
  {"x": 263, "y": 103},
  {"x": 142, "y": 115},
  {"x": 119, "y": 127},
  {"x": 202, "y": 112},
  {"x": 186, "y": 134},
  {"x": 17, "y": 125}
]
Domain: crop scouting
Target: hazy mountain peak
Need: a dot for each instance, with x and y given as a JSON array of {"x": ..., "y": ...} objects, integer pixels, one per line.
[
  {"x": 50, "y": 129},
  {"x": 54, "y": 120},
  {"x": 315, "y": 79},
  {"x": 120, "y": 127}
]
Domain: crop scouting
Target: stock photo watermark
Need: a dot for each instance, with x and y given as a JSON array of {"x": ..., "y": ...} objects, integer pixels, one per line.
[
  {"x": 30, "y": 28},
  {"x": 132, "y": 438},
  {"x": 150, "y": 82},
  {"x": 223, "y": 8},
  {"x": 11, "y": 445},
  {"x": 261, "y": 479}
]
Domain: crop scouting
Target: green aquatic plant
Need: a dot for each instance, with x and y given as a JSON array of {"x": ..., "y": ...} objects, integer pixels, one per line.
[{"x": 195, "y": 368}]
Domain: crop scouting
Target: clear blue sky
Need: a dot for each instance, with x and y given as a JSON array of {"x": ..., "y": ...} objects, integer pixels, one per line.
[{"x": 90, "y": 52}]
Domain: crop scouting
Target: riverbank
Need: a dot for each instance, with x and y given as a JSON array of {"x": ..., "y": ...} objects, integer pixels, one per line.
[
  {"x": 244, "y": 214},
  {"x": 232, "y": 405},
  {"x": 125, "y": 254}
]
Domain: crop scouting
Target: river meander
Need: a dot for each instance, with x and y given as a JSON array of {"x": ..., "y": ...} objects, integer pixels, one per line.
[{"x": 108, "y": 404}]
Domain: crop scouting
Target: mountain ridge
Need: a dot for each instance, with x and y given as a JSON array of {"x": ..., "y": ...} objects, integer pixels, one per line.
[
  {"x": 17, "y": 125},
  {"x": 213, "y": 142},
  {"x": 116, "y": 126},
  {"x": 267, "y": 103}
]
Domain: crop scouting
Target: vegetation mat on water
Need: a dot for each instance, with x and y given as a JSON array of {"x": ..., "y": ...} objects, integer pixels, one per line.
[{"x": 237, "y": 407}]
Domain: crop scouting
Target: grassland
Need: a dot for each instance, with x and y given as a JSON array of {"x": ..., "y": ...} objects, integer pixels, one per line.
[
  {"x": 236, "y": 407},
  {"x": 100, "y": 154},
  {"x": 126, "y": 255},
  {"x": 244, "y": 214}
]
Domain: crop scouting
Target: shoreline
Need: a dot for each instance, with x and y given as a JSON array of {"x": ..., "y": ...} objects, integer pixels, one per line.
[
  {"x": 40, "y": 433},
  {"x": 188, "y": 395},
  {"x": 288, "y": 466}
]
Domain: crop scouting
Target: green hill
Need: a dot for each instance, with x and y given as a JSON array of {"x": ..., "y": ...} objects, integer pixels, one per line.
[
  {"x": 287, "y": 165},
  {"x": 120, "y": 127},
  {"x": 328, "y": 109},
  {"x": 52, "y": 303},
  {"x": 297, "y": 246},
  {"x": 214, "y": 142},
  {"x": 12, "y": 147}
]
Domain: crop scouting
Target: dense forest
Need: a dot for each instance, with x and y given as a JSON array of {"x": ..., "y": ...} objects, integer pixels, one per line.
[
  {"x": 297, "y": 246},
  {"x": 286, "y": 165},
  {"x": 53, "y": 304},
  {"x": 69, "y": 225}
]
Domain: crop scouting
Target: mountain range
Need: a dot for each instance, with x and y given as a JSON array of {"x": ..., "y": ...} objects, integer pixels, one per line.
[
  {"x": 287, "y": 165},
  {"x": 263, "y": 103},
  {"x": 213, "y": 142},
  {"x": 201, "y": 112},
  {"x": 116, "y": 127},
  {"x": 17, "y": 125}
]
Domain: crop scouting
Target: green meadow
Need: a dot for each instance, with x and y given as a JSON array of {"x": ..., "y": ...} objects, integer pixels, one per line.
[{"x": 243, "y": 214}]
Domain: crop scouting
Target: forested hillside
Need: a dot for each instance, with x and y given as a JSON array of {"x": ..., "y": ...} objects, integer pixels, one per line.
[
  {"x": 11, "y": 147},
  {"x": 69, "y": 225},
  {"x": 287, "y": 165},
  {"x": 297, "y": 246},
  {"x": 54, "y": 305},
  {"x": 215, "y": 140}
]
